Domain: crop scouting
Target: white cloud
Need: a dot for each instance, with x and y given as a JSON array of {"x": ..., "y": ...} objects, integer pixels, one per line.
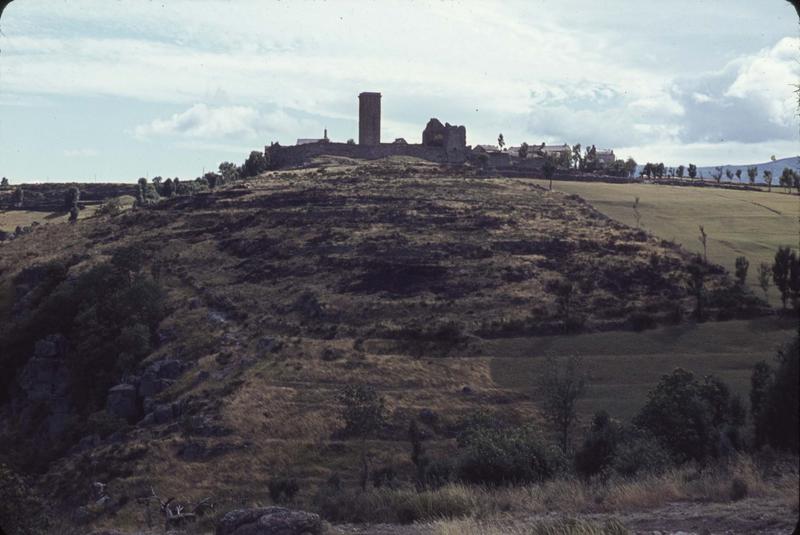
[
  {"x": 202, "y": 121},
  {"x": 771, "y": 77}
]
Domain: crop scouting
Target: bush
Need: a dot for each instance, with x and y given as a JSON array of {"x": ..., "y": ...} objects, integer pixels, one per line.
[
  {"x": 598, "y": 449},
  {"x": 282, "y": 489},
  {"x": 687, "y": 417},
  {"x": 638, "y": 454},
  {"x": 738, "y": 489},
  {"x": 506, "y": 457},
  {"x": 640, "y": 321},
  {"x": 774, "y": 400},
  {"x": 112, "y": 207}
]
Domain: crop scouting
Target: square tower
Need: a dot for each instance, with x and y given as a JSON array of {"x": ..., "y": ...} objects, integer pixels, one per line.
[{"x": 369, "y": 119}]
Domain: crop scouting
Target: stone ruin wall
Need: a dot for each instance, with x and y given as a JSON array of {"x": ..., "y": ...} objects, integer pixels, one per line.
[{"x": 297, "y": 155}]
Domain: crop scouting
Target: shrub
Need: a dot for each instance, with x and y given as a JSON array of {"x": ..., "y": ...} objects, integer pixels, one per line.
[
  {"x": 738, "y": 489},
  {"x": 506, "y": 456},
  {"x": 688, "y": 417},
  {"x": 112, "y": 207},
  {"x": 598, "y": 448},
  {"x": 639, "y": 453},
  {"x": 640, "y": 321},
  {"x": 776, "y": 420},
  {"x": 282, "y": 489}
]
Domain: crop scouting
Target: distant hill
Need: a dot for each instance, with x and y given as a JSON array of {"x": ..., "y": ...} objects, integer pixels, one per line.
[
  {"x": 793, "y": 162},
  {"x": 776, "y": 167}
]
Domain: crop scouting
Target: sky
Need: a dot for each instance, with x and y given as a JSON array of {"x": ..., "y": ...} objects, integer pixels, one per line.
[{"x": 108, "y": 90}]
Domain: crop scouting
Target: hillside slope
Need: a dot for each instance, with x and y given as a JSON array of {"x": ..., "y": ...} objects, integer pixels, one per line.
[{"x": 280, "y": 291}]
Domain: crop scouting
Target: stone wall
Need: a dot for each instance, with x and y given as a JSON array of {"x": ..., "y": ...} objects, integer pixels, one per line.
[{"x": 297, "y": 155}]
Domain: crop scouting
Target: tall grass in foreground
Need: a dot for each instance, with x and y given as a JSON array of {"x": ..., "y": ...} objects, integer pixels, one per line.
[
  {"x": 540, "y": 527},
  {"x": 738, "y": 478}
]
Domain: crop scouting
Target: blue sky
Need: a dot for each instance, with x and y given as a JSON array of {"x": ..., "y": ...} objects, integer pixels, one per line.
[{"x": 117, "y": 90}]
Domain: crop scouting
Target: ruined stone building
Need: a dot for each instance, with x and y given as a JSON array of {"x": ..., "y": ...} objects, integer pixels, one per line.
[
  {"x": 369, "y": 119},
  {"x": 444, "y": 143}
]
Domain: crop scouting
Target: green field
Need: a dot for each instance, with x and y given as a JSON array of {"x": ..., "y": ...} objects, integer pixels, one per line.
[
  {"x": 624, "y": 366},
  {"x": 738, "y": 223}
]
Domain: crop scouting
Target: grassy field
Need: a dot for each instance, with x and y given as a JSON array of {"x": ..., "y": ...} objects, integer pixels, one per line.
[
  {"x": 11, "y": 219},
  {"x": 738, "y": 223},
  {"x": 624, "y": 366}
]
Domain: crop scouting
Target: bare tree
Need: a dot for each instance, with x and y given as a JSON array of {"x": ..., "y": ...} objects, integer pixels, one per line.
[
  {"x": 703, "y": 238},
  {"x": 562, "y": 385},
  {"x": 636, "y": 213}
]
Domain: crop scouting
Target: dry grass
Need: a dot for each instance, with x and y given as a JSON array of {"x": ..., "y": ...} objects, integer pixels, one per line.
[
  {"x": 749, "y": 223},
  {"x": 536, "y": 527}
]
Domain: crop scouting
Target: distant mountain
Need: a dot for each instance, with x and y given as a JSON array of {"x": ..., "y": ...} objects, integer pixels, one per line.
[{"x": 776, "y": 167}]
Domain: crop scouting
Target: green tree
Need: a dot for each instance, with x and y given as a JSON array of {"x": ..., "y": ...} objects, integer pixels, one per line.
[
  {"x": 787, "y": 179},
  {"x": 562, "y": 384},
  {"x": 630, "y": 167},
  {"x": 212, "y": 179},
  {"x": 679, "y": 171},
  {"x": 255, "y": 164},
  {"x": 729, "y": 174},
  {"x": 523, "y": 150},
  {"x": 742, "y": 265},
  {"x": 768, "y": 178},
  {"x": 549, "y": 169},
  {"x": 501, "y": 142},
  {"x": 576, "y": 156},
  {"x": 168, "y": 188},
  {"x": 229, "y": 171},
  {"x": 738, "y": 175},
  {"x": 363, "y": 415},
  {"x": 71, "y": 198},
  {"x": 776, "y": 409},
  {"x": 691, "y": 419},
  {"x": 781, "y": 272},
  {"x": 717, "y": 174},
  {"x": 752, "y": 173},
  {"x": 692, "y": 171},
  {"x": 4, "y": 183}
]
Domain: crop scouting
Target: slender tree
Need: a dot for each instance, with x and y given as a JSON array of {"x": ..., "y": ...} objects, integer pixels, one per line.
[
  {"x": 636, "y": 214},
  {"x": 781, "y": 272},
  {"x": 729, "y": 174},
  {"x": 549, "y": 169},
  {"x": 738, "y": 175},
  {"x": 768, "y": 178},
  {"x": 363, "y": 414},
  {"x": 501, "y": 142},
  {"x": 742, "y": 265},
  {"x": 562, "y": 385},
  {"x": 523, "y": 150},
  {"x": 764, "y": 272},
  {"x": 703, "y": 238},
  {"x": 692, "y": 171},
  {"x": 679, "y": 171},
  {"x": 752, "y": 173}
]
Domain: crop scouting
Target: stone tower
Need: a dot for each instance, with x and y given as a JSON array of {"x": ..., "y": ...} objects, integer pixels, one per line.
[{"x": 369, "y": 119}]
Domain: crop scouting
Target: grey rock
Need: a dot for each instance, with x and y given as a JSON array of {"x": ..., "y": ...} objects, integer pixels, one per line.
[
  {"x": 121, "y": 402},
  {"x": 162, "y": 413},
  {"x": 43, "y": 379},
  {"x": 269, "y": 345},
  {"x": 269, "y": 521},
  {"x": 150, "y": 385}
]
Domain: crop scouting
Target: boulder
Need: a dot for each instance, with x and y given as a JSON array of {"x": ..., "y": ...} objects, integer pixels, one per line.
[
  {"x": 269, "y": 521},
  {"x": 121, "y": 402}
]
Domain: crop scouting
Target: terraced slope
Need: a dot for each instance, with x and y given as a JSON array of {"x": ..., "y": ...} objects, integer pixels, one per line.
[{"x": 282, "y": 290}]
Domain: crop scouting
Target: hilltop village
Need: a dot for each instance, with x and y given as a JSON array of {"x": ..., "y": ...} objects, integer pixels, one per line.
[{"x": 443, "y": 143}]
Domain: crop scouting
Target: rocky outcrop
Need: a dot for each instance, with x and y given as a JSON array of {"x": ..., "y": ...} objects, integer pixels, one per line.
[
  {"x": 44, "y": 383},
  {"x": 122, "y": 402},
  {"x": 269, "y": 521}
]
